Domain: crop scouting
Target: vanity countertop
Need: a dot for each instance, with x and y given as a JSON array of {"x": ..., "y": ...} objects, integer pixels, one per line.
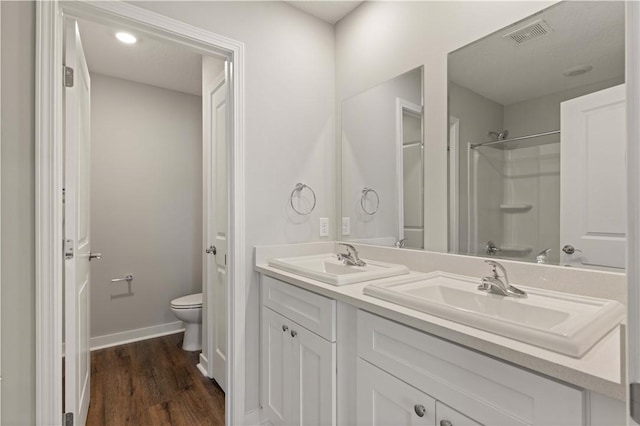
[{"x": 599, "y": 370}]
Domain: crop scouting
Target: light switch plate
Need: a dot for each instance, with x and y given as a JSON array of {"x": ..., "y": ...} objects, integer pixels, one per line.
[
  {"x": 346, "y": 226},
  {"x": 324, "y": 226}
]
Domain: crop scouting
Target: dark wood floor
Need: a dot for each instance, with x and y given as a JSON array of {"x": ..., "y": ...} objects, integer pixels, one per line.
[{"x": 153, "y": 382}]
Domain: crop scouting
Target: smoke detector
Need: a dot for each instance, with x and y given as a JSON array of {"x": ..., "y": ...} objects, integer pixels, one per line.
[{"x": 531, "y": 31}]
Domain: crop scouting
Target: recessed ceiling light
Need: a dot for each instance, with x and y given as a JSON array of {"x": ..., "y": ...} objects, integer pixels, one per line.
[
  {"x": 126, "y": 38},
  {"x": 576, "y": 71}
]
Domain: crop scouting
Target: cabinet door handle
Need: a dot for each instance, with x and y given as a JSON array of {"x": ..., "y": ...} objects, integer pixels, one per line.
[
  {"x": 285, "y": 328},
  {"x": 294, "y": 333},
  {"x": 445, "y": 423},
  {"x": 420, "y": 410}
]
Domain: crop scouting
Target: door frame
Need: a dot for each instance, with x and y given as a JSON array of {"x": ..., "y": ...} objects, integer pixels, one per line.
[
  {"x": 49, "y": 183},
  {"x": 403, "y": 105},
  {"x": 454, "y": 185},
  {"x": 633, "y": 197}
]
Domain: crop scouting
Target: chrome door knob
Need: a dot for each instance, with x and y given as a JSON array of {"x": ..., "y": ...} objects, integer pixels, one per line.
[
  {"x": 285, "y": 328},
  {"x": 445, "y": 423},
  {"x": 420, "y": 410},
  {"x": 294, "y": 333},
  {"x": 569, "y": 249},
  {"x": 211, "y": 250},
  {"x": 96, "y": 256}
]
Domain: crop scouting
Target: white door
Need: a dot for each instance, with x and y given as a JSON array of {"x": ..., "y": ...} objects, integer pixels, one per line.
[
  {"x": 593, "y": 178},
  {"x": 76, "y": 228},
  {"x": 215, "y": 96},
  {"x": 313, "y": 386},
  {"x": 276, "y": 367},
  {"x": 386, "y": 400}
]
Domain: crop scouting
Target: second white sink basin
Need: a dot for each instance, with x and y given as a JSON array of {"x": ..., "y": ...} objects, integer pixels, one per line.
[
  {"x": 327, "y": 268},
  {"x": 564, "y": 323}
]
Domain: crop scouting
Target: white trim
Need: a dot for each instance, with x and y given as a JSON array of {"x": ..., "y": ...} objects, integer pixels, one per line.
[
  {"x": 454, "y": 185},
  {"x": 136, "y": 335},
  {"x": 48, "y": 214},
  {"x": 49, "y": 190},
  {"x": 203, "y": 365},
  {"x": 403, "y": 105},
  {"x": 633, "y": 192}
]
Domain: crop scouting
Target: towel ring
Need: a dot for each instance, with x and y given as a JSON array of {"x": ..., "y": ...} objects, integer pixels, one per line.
[
  {"x": 365, "y": 193},
  {"x": 299, "y": 187}
]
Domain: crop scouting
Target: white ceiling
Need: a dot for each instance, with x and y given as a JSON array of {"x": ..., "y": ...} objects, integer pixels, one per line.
[
  {"x": 329, "y": 11},
  {"x": 150, "y": 61},
  {"x": 589, "y": 33}
]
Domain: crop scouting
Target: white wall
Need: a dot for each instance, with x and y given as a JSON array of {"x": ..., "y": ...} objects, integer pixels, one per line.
[
  {"x": 289, "y": 107},
  {"x": 18, "y": 213},
  {"x": 380, "y": 40},
  {"x": 146, "y": 202},
  {"x": 369, "y": 156}
]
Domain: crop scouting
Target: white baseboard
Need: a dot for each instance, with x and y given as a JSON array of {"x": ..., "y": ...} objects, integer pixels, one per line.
[
  {"x": 115, "y": 339},
  {"x": 203, "y": 365}
]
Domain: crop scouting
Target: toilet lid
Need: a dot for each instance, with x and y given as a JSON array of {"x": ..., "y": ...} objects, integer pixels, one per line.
[{"x": 189, "y": 301}]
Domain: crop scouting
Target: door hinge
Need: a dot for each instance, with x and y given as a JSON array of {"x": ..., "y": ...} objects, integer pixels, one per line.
[
  {"x": 67, "y": 419},
  {"x": 68, "y": 249},
  {"x": 634, "y": 401},
  {"x": 68, "y": 76}
]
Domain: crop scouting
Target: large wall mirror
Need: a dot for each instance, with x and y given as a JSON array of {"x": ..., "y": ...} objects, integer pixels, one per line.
[
  {"x": 382, "y": 164},
  {"x": 536, "y": 145}
]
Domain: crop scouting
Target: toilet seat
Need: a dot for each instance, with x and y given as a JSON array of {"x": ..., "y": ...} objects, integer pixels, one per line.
[{"x": 191, "y": 301}]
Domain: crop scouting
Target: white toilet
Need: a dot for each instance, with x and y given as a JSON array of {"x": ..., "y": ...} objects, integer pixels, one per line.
[{"x": 189, "y": 309}]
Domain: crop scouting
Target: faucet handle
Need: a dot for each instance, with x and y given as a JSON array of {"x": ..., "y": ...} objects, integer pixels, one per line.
[{"x": 494, "y": 269}]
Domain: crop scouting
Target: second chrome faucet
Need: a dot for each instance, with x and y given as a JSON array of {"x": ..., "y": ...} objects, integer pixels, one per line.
[
  {"x": 351, "y": 256},
  {"x": 499, "y": 284}
]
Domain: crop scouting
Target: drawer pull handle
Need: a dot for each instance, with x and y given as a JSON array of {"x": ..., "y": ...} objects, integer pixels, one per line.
[
  {"x": 294, "y": 333},
  {"x": 285, "y": 328},
  {"x": 420, "y": 410},
  {"x": 445, "y": 423}
]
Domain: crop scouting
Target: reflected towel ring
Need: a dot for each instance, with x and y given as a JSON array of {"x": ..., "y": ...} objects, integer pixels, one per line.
[
  {"x": 365, "y": 193},
  {"x": 299, "y": 187}
]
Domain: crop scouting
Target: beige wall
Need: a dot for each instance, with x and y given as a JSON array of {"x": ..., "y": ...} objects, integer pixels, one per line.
[
  {"x": 18, "y": 213},
  {"x": 146, "y": 202}
]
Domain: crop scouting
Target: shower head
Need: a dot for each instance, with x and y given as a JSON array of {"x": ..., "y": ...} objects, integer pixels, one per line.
[{"x": 500, "y": 136}]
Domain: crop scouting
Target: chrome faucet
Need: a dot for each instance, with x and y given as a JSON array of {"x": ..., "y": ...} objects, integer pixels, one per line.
[
  {"x": 351, "y": 256},
  {"x": 400, "y": 243},
  {"x": 491, "y": 248},
  {"x": 499, "y": 284},
  {"x": 543, "y": 256}
]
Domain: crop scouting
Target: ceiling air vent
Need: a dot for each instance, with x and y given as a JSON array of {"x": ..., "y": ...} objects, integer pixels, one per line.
[{"x": 529, "y": 32}]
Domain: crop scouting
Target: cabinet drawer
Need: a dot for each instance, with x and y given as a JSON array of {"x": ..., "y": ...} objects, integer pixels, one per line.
[
  {"x": 485, "y": 389},
  {"x": 310, "y": 310},
  {"x": 447, "y": 416},
  {"x": 385, "y": 400}
]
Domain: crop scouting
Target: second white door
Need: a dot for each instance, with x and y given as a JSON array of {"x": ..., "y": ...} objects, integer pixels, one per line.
[{"x": 215, "y": 280}]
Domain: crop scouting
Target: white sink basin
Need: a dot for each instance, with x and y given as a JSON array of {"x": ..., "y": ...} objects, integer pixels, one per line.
[
  {"x": 564, "y": 323},
  {"x": 327, "y": 268}
]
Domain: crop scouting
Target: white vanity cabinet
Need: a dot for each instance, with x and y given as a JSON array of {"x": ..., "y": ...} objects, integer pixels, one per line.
[
  {"x": 386, "y": 400},
  {"x": 467, "y": 388},
  {"x": 298, "y": 355}
]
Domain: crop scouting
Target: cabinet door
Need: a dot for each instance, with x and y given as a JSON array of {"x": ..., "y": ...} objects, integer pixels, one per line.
[
  {"x": 276, "y": 367},
  {"x": 386, "y": 400},
  {"x": 446, "y": 416},
  {"x": 313, "y": 384}
]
